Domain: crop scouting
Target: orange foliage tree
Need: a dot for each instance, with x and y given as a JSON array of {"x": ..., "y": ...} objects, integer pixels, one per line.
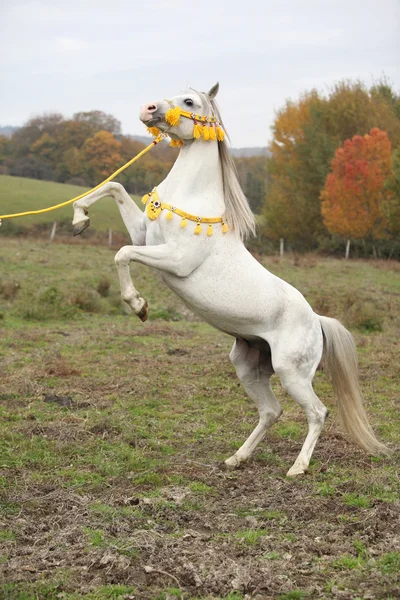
[
  {"x": 102, "y": 154},
  {"x": 353, "y": 198}
]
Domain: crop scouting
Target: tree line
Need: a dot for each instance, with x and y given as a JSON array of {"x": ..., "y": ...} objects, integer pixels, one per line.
[
  {"x": 333, "y": 173},
  {"x": 87, "y": 148},
  {"x": 335, "y": 170}
]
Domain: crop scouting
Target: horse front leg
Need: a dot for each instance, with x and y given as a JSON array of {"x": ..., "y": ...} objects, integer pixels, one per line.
[
  {"x": 130, "y": 213},
  {"x": 164, "y": 257}
]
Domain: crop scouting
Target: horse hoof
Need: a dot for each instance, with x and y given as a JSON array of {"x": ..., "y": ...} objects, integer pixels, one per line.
[
  {"x": 232, "y": 462},
  {"x": 144, "y": 312},
  {"x": 79, "y": 227},
  {"x": 295, "y": 472}
]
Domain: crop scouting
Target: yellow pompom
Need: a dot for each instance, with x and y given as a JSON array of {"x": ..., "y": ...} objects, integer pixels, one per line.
[
  {"x": 209, "y": 230},
  {"x": 197, "y": 131},
  {"x": 183, "y": 222},
  {"x": 176, "y": 143},
  {"x": 146, "y": 198},
  {"x": 197, "y": 229},
  {"x": 220, "y": 133},
  {"x": 154, "y": 131},
  {"x": 206, "y": 132},
  {"x": 169, "y": 215},
  {"x": 173, "y": 115},
  {"x": 213, "y": 135},
  {"x": 225, "y": 228}
]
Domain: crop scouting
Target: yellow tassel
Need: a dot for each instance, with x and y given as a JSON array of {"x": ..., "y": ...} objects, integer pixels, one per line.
[
  {"x": 183, "y": 222},
  {"x": 197, "y": 229},
  {"x": 213, "y": 135},
  {"x": 206, "y": 132},
  {"x": 169, "y": 215},
  {"x": 209, "y": 230},
  {"x": 220, "y": 134},
  {"x": 173, "y": 115},
  {"x": 225, "y": 227},
  {"x": 197, "y": 131},
  {"x": 176, "y": 143},
  {"x": 146, "y": 198},
  {"x": 154, "y": 131}
]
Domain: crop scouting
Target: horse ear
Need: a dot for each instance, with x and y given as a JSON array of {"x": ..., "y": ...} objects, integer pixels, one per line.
[{"x": 213, "y": 91}]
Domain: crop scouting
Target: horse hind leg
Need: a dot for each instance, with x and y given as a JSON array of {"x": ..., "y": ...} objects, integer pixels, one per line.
[
  {"x": 254, "y": 373},
  {"x": 300, "y": 389}
]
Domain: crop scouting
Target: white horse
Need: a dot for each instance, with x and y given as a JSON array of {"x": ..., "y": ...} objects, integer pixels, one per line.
[{"x": 275, "y": 329}]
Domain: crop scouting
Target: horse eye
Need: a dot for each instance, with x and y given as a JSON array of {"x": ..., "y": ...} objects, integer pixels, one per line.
[{"x": 189, "y": 102}]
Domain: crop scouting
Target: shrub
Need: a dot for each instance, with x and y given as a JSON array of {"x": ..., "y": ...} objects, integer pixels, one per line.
[
  {"x": 103, "y": 287},
  {"x": 8, "y": 289},
  {"x": 87, "y": 300},
  {"x": 45, "y": 305}
]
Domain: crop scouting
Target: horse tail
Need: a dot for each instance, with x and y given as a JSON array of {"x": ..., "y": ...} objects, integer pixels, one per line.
[{"x": 340, "y": 359}]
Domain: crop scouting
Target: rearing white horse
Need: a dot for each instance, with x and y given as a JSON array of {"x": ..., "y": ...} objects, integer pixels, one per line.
[{"x": 183, "y": 235}]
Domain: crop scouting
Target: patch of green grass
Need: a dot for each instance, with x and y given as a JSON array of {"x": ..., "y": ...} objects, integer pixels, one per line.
[
  {"x": 293, "y": 595},
  {"x": 95, "y": 537},
  {"x": 6, "y": 535},
  {"x": 325, "y": 489},
  {"x": 249, "y": 537},
  {"x": 346, "y": 562},
  {"x": 289, "y": 430},
  {"x": 201, "y": 488},
  {"x": 358, "y": 500},
  {"x": 273, "y": 555},
  {"x": 390, "y": 563}
]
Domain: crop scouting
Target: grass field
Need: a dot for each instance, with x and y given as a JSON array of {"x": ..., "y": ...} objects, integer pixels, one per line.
[
  {"x": 113, "y": 435},
  {"x": 19, "y": 194}
]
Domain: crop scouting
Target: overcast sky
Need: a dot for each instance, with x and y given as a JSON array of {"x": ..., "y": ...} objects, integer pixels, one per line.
[{"x": 69, "y": 55}]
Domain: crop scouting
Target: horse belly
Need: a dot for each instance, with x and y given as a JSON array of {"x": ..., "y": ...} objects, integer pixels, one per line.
[{"x": 238, "y": 299}]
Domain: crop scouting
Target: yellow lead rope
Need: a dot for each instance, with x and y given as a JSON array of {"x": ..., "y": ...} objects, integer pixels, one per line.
[{"x": 44, "y": 210}]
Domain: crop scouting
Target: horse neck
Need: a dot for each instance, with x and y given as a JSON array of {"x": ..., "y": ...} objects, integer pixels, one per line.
[{"x": 195, "y": 181}]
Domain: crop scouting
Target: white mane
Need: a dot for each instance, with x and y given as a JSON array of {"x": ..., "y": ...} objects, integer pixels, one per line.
[{"x": 238, "y": 214}]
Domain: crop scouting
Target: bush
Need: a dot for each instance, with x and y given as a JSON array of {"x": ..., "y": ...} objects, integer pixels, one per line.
[
  {"x": 9, "y": 289},
  {"x": 87, "y": 300},
  {"x": 47, "y": 304},
  {"x": 103, "y": 287}
]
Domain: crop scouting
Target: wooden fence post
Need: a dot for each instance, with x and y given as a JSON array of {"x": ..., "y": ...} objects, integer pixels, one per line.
[
  {"x": 110, "y": 237},
  {"x": 53, "y": 231},
  {"x": 347, "y": 249},
  {"x": 281, "y": 247}
]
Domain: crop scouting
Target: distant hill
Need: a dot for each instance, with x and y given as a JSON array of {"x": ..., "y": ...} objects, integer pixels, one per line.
[
  {"x": 247, "y": 152},
  {"x": 7, "y": 130},
  {"x": 18, "y": 194}
]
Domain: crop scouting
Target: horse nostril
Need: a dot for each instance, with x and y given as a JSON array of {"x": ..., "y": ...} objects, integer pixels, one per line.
[{"x": 152, "y": 108}]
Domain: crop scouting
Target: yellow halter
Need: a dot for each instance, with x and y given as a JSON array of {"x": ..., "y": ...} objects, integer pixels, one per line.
[
  {"x": 207, "y": 127},
  {"x": 155, "y": 207}
]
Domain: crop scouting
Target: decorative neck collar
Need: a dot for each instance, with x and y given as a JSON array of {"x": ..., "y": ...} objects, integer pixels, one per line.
[
  {"x": 207, "y": 127},
  {"x": 155, "y": 207}
]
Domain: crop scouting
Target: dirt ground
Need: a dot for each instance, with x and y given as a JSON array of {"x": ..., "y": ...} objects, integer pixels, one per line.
[{"x": 112, "y": 484}]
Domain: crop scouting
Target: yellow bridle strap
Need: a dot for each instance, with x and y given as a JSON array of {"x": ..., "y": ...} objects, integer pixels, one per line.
[
  {"x": 200, "y": 118},
  {"x": 128, "y": 164},
  {"x": 155, "y": 207},
  {"x": 207, "y": 127}
]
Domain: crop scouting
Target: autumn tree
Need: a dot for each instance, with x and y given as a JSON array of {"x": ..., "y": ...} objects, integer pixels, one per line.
[
  {"x": 290, "y": 210},
  {"x": 306, "y": 134},
  {"x": 392, "y": 197},
  {"x": 101, "y": 154},
  {"x": 353, "y": 197}
]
